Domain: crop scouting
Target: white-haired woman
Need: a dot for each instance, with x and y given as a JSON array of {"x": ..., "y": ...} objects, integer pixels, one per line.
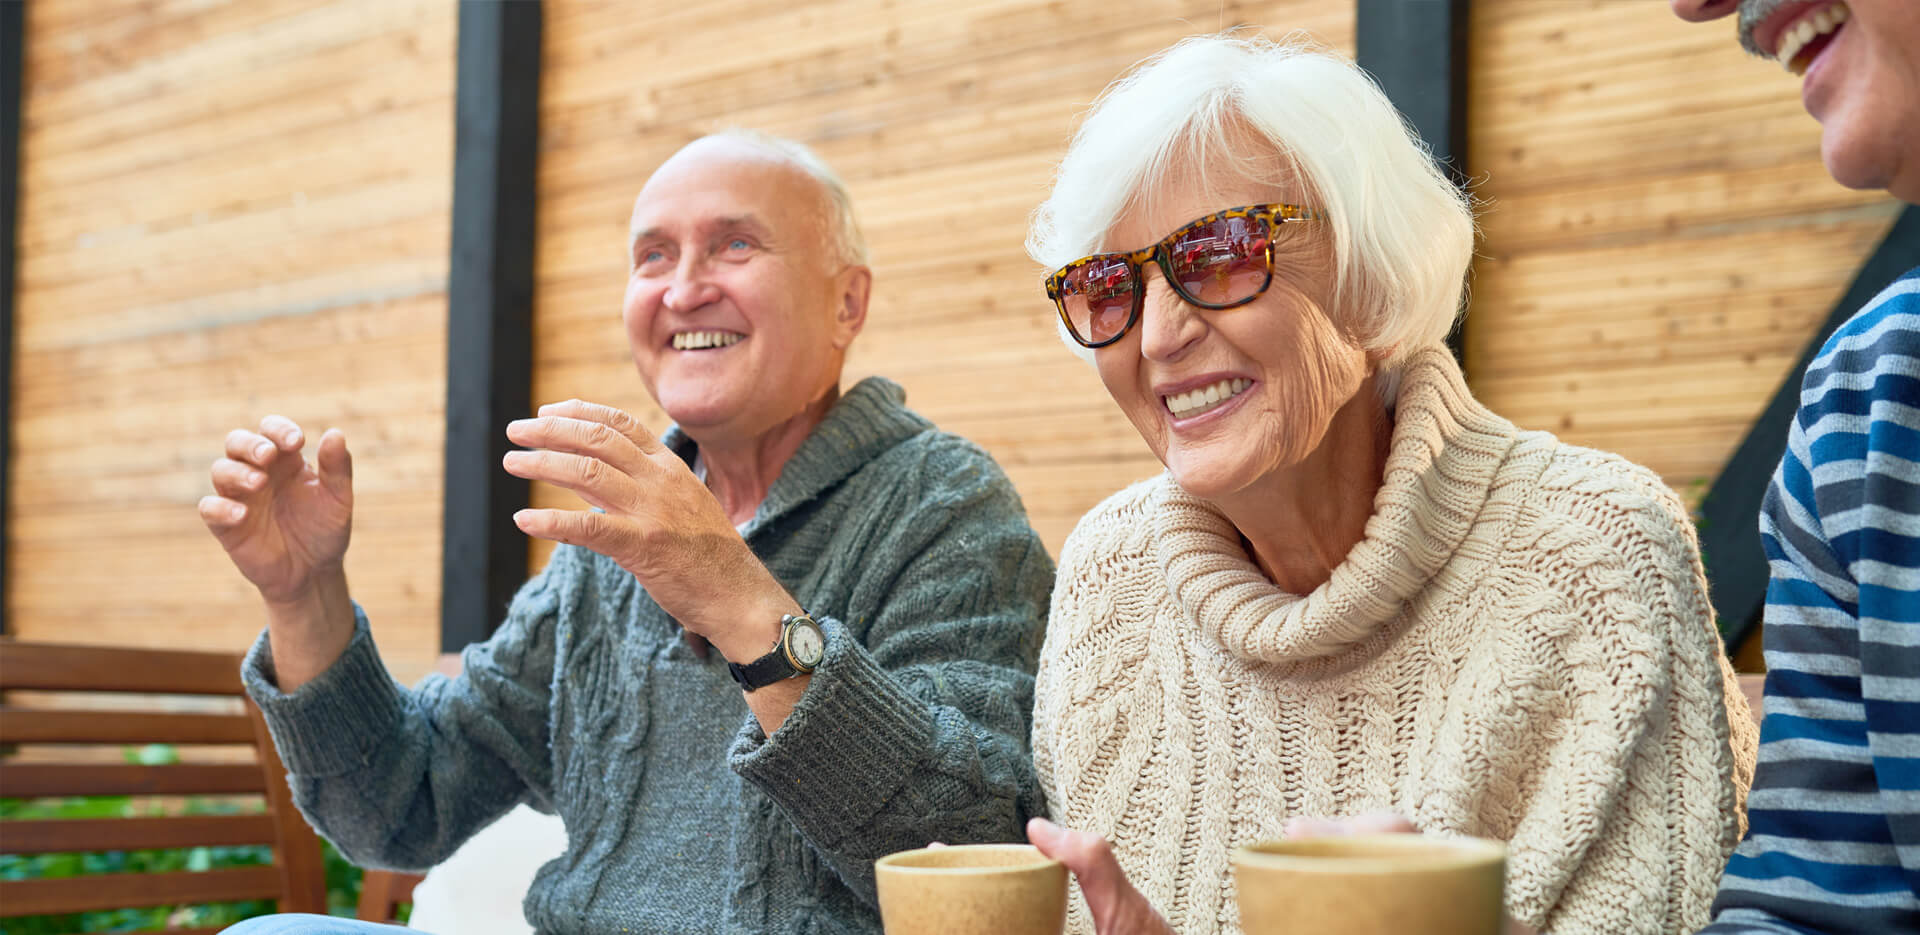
[{"x": 1356, "y": 596}]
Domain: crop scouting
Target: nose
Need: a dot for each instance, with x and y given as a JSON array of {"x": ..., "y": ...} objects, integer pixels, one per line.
[
  {"x": 1168, "y": 326},
  {"x": 689, "y": 291},
  {"x": 1699, "y": 11}
]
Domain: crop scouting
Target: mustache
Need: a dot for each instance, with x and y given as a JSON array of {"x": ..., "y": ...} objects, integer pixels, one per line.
[{"x": 1752, "y": 14}]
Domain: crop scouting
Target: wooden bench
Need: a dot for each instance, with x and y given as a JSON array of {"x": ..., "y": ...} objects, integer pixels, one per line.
[{"x": 58, "y": 727}]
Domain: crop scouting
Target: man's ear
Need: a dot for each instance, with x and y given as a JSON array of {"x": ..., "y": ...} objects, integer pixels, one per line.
[{"x": 850, "y": 315}]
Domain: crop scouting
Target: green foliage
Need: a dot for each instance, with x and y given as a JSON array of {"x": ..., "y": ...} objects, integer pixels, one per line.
[{"x": 343, "y": 879}]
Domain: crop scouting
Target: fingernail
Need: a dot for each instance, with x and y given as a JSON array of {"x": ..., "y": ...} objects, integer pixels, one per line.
[
  {"x": 293, "y": 437},
  {"x": 262, "y": 450},
  {"x": 255, "y": 478}
]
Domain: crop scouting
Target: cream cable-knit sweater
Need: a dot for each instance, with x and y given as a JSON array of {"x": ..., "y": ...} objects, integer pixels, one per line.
[{"x": 1520, "y": 647}]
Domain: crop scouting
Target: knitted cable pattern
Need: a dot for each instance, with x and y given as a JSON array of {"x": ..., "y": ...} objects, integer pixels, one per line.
[{"x": 1520, "y": 647}]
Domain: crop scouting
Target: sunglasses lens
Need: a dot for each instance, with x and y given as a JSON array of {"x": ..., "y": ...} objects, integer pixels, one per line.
[
  {"x": 1097, "y": 296},
  {"x": 1221, "y": 262}
]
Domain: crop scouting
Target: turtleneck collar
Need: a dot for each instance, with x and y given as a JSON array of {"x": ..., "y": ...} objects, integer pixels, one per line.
[{"x": 1445, "y": 453}]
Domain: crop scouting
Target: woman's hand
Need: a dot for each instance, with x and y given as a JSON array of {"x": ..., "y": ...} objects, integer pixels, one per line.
[
  {"x": 1118, "y": 908},
  {"x": 1304, "y": 826},
  {"x": 1371, "y": 823}
]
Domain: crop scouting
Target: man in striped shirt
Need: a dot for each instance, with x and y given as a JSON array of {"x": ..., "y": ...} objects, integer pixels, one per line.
[{"x": 1833, "y": 843}]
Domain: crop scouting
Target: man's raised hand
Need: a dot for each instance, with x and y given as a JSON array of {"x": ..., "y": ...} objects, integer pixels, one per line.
[{"x": 284, "y": 522}]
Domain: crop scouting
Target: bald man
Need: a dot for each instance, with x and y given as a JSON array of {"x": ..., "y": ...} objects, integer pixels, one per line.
[{"x": 796, "y": 633}]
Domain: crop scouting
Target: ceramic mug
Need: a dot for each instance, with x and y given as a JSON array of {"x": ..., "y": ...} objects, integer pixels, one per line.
[
  {"x": 1371, "y": 884},
  {"x": 973, "y": 889}
]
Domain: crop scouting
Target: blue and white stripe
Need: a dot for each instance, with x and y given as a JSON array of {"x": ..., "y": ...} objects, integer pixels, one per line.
[{"x": 1833, "y": 843}]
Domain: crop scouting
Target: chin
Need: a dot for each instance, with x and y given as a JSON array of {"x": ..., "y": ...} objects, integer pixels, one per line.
[
  {"x": 1206, "y": 481},
  {"x": 692, "y": 407},
  {"x": 1856, "y": 158}
]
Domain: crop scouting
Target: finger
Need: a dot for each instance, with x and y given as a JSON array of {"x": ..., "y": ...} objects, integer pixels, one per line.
[
  {"x": 581, "y": 437},
  {"x": 222, "y": 515},
  {"x": 1111, "y": 897},
  {"x": 618, "y": 420},
  {"x": 282, "y": 432},
  {"x": 593, "y": 479},
  {"x": 237, "y": 480},
  {"x": 1382, "y": 823},
  {"x": 334, "y": 464},
  {"x": 1308, "y": 826},
  {"x": 250, "y": 448},
  {"x": 594, "y": 531}
]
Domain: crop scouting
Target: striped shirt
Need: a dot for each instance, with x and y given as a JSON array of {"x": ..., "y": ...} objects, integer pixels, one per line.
[{"x": 1833, "y": 843}]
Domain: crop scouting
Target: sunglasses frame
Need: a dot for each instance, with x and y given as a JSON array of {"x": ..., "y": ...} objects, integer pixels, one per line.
[{"x": 1161, "y": 254}]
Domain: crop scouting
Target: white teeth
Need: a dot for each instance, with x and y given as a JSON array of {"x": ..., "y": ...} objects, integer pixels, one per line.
[
  {"x": 695, "y": 340},
  {"x": 1794, "y": 39},
  {"x": 1193, "y": 402}
]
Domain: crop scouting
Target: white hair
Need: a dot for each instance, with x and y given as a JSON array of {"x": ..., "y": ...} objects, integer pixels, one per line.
[
  {"x": 1402, "y": 232},
  {"x": 849, "y": 245}
]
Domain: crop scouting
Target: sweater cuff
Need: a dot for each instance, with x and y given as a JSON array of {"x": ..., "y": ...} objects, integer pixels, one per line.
[
  {"x": 332, "y": 725},
  {"x": 851, "y": 742}
]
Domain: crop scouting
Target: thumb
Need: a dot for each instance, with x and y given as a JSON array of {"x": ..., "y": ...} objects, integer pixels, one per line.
[
  {"x": 1111, "y": 898},
  {"x": 334, "y": 464}
]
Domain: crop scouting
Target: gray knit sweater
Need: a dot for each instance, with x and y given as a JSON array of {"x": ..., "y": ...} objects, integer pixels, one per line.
[{"x": 911, "y": 549}]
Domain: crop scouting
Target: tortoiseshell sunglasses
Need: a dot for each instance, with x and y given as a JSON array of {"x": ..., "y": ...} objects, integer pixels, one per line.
[{"x": 1223, "y": 260}]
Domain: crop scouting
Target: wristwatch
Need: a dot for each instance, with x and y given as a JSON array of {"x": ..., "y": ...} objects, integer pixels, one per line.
[{"x": 799, "y": 650}]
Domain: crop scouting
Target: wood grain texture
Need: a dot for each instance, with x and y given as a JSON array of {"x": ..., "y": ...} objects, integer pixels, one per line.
[
  {"x": 944, "y": 120},
  {"x": 228, "y": 210},
  {"x": 1659, "y": 235}
]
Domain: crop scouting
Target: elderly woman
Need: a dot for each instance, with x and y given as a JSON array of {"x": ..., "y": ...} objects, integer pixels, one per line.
[{"x": 1355, "y": 591}]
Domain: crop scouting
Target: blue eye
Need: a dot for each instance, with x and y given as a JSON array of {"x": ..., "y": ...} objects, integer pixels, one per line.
[{"x": 739, "y": 243}]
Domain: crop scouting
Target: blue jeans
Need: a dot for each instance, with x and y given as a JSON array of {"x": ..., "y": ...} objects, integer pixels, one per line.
[{"x": 299, "y": 923}]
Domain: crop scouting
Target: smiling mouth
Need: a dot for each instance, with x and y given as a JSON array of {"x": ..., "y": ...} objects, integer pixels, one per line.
[
  {"x": 705, "y": 340},
  {"x": 1802, "y": 42},
  {"x": 1202, "y": 399}
]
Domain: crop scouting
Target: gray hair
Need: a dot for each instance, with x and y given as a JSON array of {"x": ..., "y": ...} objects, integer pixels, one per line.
[
  {"x": 849, "y": 245},
  {"x": 1402, "y": 232}
]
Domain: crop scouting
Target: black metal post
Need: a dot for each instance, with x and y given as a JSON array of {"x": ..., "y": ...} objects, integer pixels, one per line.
[
  {"x": 489, "y": 311},
  {"x": 1417, "y": 51}
]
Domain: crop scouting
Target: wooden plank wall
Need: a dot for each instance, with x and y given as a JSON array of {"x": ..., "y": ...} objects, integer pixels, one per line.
[
  {"x": 944, "y": 119},
  {"x": 231, "y": 209},
  {"x": 1660, "y": 237},
  {"x": 228, "y": 209}
]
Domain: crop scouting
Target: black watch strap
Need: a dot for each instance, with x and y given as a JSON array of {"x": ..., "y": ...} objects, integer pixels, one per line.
[
  {"x": 766, "y": 670},
  {"x": 777, "y": 665}
]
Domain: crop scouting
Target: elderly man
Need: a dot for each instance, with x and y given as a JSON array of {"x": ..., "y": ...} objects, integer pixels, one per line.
[
  {"x": 797, "y": 633},
  {"x": 1833, "y": 844}
]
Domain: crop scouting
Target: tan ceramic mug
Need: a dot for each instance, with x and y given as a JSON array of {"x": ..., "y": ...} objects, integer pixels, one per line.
[
  {"x": 1371, "y": 884},
  {"x": 973, "y": 889}
]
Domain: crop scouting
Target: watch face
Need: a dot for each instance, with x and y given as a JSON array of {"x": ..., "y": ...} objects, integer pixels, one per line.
[{"x": 806, "y": 644}]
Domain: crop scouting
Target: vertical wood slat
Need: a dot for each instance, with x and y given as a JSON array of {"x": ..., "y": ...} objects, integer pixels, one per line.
[
  {"x": 489, "y": 312},
  {"x": 12, "y": 61},
  {"x": 303, "y": 874}
]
